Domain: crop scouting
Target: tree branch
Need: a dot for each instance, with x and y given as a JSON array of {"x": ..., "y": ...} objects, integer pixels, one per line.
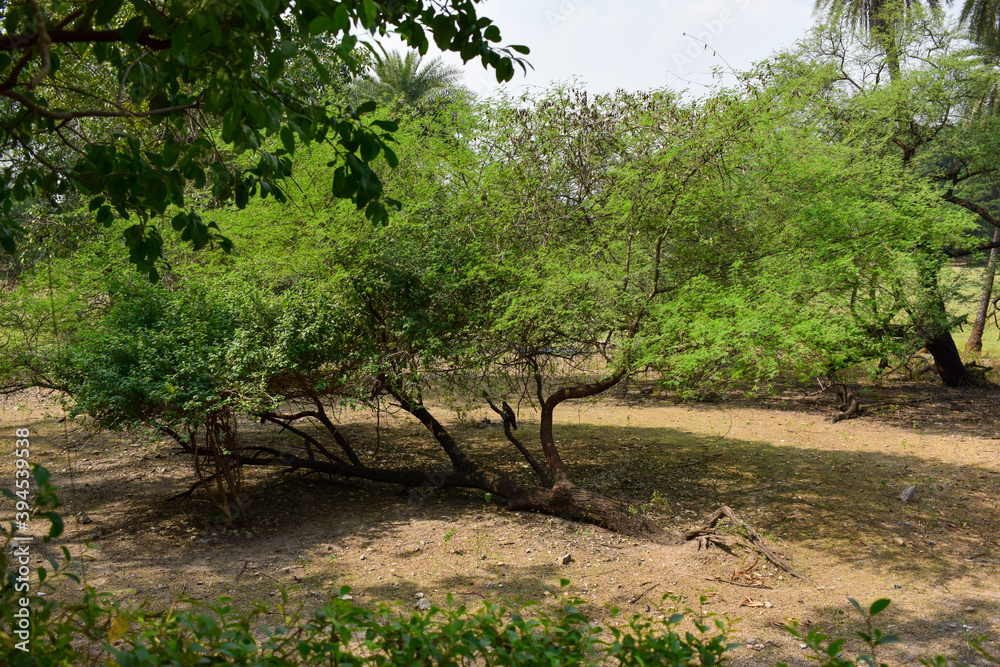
[
  {"x": 539, "y": 470},
  {"x": 91, "y": 113},
  {"x": 972, "y": 206},
  {"x": 146, "y": 38}
]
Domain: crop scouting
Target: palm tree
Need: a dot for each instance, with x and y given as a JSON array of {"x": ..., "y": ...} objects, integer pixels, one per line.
[
  {"x": 880, "y": 19},
  {"x": 983, "y": 19},
  {"x": 398, "y": 79}
]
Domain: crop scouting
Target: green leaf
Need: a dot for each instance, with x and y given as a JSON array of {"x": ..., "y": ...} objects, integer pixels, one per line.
[
  {"x": 321, "y": 24},
  {"x": 367, "y": 12},
  {"x": 390, "y": 156},
  {"x": 879, "y": 605},
  {"x": 107, "y": 11},
  {"x": 387, "y": 125},
  {"x": 341, "y": 18},
  {"x": 56, "y": 529},
  {"x": 41, "y": 475},
  {"x": 288, "y": 139},
  {"x": 132, "y": 29},
  {"x": 854, "y": 603}
]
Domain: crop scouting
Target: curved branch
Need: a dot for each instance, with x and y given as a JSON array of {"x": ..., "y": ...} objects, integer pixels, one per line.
[
  {"x": 37, "y": 109},
  {"x": 18, "y": 42},
  {"x": 539, "y": 470}
]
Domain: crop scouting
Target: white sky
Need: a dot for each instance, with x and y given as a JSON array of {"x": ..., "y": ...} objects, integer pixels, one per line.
[{"x": 637, "y": 44}]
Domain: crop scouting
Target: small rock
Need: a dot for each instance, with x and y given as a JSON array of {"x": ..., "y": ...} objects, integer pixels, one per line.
[
  {"x": 931, "y": 543},
  {"x": 899, "y": 541},
  {"x": 970, "y": 609},
  {"x": 803, "y": 646},
  {"x": 346, "y": 596},
  {"x": 423, "y": 604},
  {"x": 767, "y": 605},
  {"x": 419, "y": 596},
  {"x": 363, "y": 557},
  {"x": 83, "y": 518},
  {"x": 286, "y": 569},
  {"x": 910, "y": 494},
  {"x": 565, "y": 559}
]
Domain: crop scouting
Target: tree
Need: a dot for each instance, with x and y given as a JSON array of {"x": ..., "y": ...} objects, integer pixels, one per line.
[
  {"x": 880, "y": 19},
  {"x": 406, "y": 80},
  {"x": 983, "y": 20},
  {"x": 111, "y": 101},
  {"x": 908, "y": 118}
]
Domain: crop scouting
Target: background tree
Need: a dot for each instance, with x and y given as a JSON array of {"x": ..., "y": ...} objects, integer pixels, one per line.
[
  {"x": 406, "y": 80},
  {"x": 883, "y": 20}
]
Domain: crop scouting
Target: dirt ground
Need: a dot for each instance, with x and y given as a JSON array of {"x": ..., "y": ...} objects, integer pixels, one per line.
[{"x": 825, "y": 496}]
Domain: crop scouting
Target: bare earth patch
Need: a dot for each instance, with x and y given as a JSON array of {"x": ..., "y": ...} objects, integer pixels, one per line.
[{"x": 825, "y": 496}]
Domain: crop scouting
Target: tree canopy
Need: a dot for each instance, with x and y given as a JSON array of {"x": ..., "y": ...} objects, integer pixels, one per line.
[{"x": 133, "y": 105}]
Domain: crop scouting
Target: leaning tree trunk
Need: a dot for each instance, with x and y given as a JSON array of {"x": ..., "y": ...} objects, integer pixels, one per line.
[
  {"x": 563, "y": 499},
  {"x": 932, "y": 324},
  {"x": 947, "y": 361},
  {"x": 975, "y": 343}
]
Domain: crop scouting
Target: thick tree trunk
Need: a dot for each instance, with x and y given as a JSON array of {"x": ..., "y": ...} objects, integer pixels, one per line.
[
  {"x": 566, "y": 501},
  {"x": 931, "y": 324},
  {"x": 947, "y": 361},
  {"x": 975, "y": 343}
]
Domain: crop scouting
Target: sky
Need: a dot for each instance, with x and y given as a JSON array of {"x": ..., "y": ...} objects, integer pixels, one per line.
[{"x": 637, "y": 44}]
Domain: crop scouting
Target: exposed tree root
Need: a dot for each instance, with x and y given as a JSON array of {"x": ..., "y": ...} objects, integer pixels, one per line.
[
  {"x": 708, "y": 534},
  {"x": 848, "y": 402}
]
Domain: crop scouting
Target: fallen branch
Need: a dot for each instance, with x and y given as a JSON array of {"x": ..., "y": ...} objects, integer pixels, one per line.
[
  {"x": 186, "y": 494},
  {"x": 709, "y": 533},
  {"x": 638, "y": 597}
]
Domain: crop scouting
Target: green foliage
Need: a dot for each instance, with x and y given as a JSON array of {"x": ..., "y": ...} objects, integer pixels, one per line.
[
  {"x": 166, "y": 98},
  {"x": 154, "y": 357}
]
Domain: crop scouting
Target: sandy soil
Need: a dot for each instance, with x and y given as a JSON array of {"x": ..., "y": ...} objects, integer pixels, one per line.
[{"x": 825, "y": 496}]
